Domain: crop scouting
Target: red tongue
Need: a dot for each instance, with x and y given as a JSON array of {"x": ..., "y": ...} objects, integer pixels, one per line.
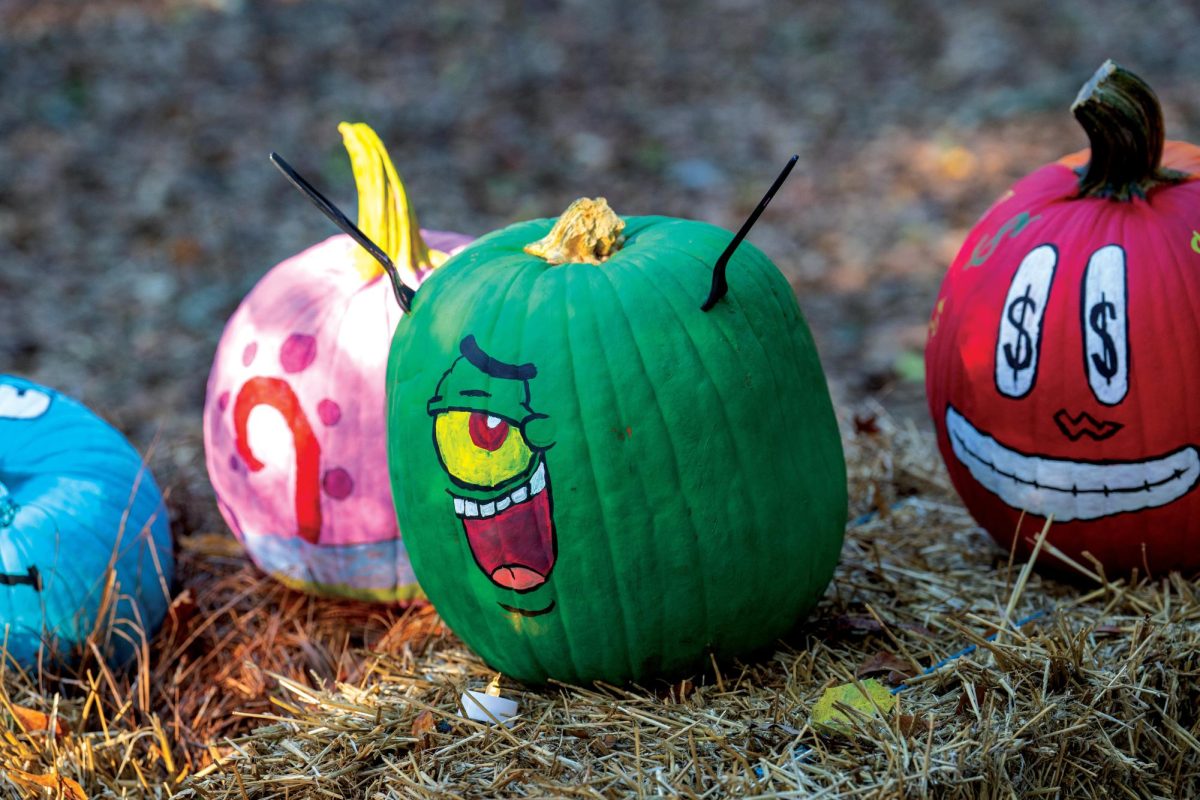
[{"x": 515, "y": 548}]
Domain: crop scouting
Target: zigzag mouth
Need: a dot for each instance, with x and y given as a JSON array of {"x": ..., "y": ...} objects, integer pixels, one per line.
[{"x": 1070, "y": 490}]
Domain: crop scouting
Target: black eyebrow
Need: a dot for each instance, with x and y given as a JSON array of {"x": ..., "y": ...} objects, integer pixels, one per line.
[
  {"x": 475, "y": 393},
  {"x": 494, "y": 367}
]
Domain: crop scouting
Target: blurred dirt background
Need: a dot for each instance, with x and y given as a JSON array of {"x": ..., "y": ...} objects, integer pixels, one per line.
[{"x": 137, "y": 205}]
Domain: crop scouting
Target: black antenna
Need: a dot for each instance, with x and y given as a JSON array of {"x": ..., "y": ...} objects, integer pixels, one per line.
[
  {"x": 719, "y": 286},
  {"x": 404, "y": 294}
]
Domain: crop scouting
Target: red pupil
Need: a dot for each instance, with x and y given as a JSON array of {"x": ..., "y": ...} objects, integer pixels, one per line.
[{"x": 485, "y": 437}]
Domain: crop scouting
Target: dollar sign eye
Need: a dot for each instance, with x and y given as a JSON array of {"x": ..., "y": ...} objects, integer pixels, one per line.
[
  {"x": 1020, "y": 338},
  {"x": 1106, "y": 325}
]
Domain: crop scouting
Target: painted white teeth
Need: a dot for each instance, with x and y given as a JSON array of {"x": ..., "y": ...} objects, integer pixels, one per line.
[
  {"x": 1070, "y": 489},
  {"x": 470, "y": 508}
]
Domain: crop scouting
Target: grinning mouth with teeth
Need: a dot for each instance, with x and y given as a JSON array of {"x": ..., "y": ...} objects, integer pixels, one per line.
[
  {"x": 511, "y": 535},
  {"x": 1070, "y": 490}
]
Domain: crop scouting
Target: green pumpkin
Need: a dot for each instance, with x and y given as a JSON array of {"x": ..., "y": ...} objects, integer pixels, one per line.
[{"x": 596, "y": 479}]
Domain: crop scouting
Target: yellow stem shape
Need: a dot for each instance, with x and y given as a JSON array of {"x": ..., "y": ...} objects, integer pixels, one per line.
[{"x": 384, "y": 213}]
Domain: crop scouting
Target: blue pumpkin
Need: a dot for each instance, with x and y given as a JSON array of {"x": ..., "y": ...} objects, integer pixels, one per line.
[{"x": 77, "y": 505}]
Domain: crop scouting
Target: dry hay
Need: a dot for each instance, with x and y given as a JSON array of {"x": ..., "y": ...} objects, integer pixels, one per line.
[{"x": 266, "y": 693}]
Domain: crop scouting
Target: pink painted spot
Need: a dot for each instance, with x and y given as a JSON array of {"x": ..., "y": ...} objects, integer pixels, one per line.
[
  {"x": 337, "y": 483},
  {"x": 223, "y": 401},
  {"x": 298, "y": 352},
  {"x": 249, "y": 353},
  {"x": 329, "y": 411}
]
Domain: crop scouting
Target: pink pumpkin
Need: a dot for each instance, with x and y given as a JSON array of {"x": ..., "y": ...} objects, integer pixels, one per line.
[{"x": 294, "y": 420}]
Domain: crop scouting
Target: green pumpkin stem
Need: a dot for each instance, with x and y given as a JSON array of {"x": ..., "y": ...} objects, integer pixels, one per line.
[{"x": 1124, "y": 125}]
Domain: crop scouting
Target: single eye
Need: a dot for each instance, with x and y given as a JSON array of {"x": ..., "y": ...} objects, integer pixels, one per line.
[
  {"x": 17, "y": 403},
  {"x": 479, "y": 449},
  {"x": 1106, "y": 325},
  {"x": 1020, "y": 339}
]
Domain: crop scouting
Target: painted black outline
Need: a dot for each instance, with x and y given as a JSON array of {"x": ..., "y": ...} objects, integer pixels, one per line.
[
  {"x": 474, "y": 354},
  {"x": 1083, "y": 324},
  {"x": 553, "y": 542},
  {"x": 1097, "y": 429},
  {"x": 21, "y": 392},
  {"x": 494, "y": 367},
  {"x": 527, "y": 613},
  {"x": 31, "y": 578},
  {"x": 1096, "y": 462},
  {"x": 1003, "y": 316},
  {"x": 1041, "y": 328}
]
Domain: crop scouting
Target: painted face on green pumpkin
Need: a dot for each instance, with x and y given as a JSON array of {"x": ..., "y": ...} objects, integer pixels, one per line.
[{"x": 500, "y": 486}]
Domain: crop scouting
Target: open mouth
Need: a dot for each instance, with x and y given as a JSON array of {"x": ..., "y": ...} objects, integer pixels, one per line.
[
  {"x": 1070, "y": 490},
  {"x": 512, "y": 535}
]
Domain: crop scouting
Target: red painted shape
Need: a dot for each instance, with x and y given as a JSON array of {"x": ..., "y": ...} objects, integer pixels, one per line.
[
  {"x": 277, "y": 394},
  {"x": 1157, "y": 416},
  {"x": 485, "y": 437}
]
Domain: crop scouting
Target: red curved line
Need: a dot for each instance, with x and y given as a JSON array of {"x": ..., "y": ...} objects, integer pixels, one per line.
[{"x": 276, "y": 393}]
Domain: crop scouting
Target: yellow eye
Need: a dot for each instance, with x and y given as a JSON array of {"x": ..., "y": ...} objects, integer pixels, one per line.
[{"x": 480, "y": 449}]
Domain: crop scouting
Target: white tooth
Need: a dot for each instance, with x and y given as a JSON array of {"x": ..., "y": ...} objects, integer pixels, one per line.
[
  {"x": 538, "y": 481},
  {"x": 472, "y": 508},
  {"x": 1067, "y": 489},
  {"x": 458, "y": 506},
  {"x": 503, "y": 503},
  {"x": 487, "y": 509},
  {"x": 493, "y": 421},
  {"x": 519, "y": 495}
]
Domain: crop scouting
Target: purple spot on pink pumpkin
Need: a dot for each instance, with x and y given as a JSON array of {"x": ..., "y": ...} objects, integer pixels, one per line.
[
  {"x": 249, "y": 353},
  {"x": 235, "y": 463},
  {"x": 223, "y": 401},
  {"x": 329, "y": 411},
  {"x": 298, "y": 352},
  {"x": 337, "y": 483}
]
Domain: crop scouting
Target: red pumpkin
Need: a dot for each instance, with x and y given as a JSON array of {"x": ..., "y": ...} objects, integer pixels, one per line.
[{"x": 1063, "y": 361}]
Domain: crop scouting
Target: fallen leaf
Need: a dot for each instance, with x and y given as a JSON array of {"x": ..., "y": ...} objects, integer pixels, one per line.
[
  {"x": 34, "y": 721},
  {"x": 883, "y": 662},
  {"x": 868, "y": 424},
  {"x": 63, "y": 787},
  {"x": 423, "y": 724},
  {"x": 914, "y": 726},
  {"x": 827, "y": 717},
  {"x": 964, "y": 702}
]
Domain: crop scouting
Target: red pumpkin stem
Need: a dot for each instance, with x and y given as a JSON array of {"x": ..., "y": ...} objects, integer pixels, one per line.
[
  {"x": 1124, "y": 124},
  {"x": 719, "y": 286}
]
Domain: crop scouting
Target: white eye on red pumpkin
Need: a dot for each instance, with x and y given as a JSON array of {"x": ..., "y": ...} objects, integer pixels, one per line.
[
  {"x": 1019, "y": 342},
  {"x": 17, "y": 403},
  {"x": 1106, "y": 325}
]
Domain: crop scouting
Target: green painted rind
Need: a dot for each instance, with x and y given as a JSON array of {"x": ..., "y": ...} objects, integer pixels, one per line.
[{"x": 694, "y": 462}]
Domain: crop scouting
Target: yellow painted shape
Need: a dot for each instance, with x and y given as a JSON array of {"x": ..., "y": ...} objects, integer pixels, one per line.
[
  {"x": 384, "y": 213},
  {"x": 827, "y": 718},
  {"x": 475, "y": 465}
]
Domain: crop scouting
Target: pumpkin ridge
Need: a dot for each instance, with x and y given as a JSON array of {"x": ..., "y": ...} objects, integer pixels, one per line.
[
  {"x": 648, "y": 278},
  {"x": 626, "y": 605},
  {"x": 727, "y": 428},
  {"x": 647, "y": 505},
  {"x": 831, "y": 464}
]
